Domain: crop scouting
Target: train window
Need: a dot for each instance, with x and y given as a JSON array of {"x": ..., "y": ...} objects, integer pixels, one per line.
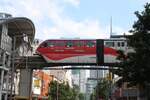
[
  {"x": 50, "y": 44},
  {"x": 69, "y": 44},
  {"x": 109, "y": 44},
  {"x": 44, "y": 44},
  {"x": 60, "y": 43},
  {"x": 118, "y": 44},
  {"x": 122, "y": 44},
  {"x": 90, "y": 44},
  {"x": 79, "y": 43}
]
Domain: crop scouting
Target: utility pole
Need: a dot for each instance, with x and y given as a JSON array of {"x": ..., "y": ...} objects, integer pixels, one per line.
[{"x": 110, "y": 26}]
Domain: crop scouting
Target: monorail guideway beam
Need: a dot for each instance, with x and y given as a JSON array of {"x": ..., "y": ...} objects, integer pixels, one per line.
[{"x": 37, "y": 62}]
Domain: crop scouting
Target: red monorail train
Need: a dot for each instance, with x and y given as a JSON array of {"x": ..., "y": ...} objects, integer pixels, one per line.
[{"x": 90, "y": 51}]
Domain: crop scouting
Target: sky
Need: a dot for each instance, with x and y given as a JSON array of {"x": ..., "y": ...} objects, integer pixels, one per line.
[{"x": 54, "y": 19}]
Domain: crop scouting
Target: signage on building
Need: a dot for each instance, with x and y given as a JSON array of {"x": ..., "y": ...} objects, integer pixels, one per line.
[{"x": 36, "y": 86}]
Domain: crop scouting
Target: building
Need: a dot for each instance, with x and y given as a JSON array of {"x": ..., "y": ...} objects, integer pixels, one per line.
[
  {"x": 98, "y": 73},
  {"x": 62, "y": 76},
  {"x": 75, "y": 77},
  {"x": 13, "y": 31},
  {"x": 82, "y": 81},
  {"x": 92, "y": 80},
  {"x": 40, "y": 85},
  {"x": 79, "y": 77}
]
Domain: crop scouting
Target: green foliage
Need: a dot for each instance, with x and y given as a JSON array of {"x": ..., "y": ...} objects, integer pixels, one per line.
[
  {"x": 136, "y": 67},
  {"x": 64, "y": 91},
  {"x": 81, "y": 96},
  {"x": 93, "y": 96},
  {"x": 102, "y": 90}
]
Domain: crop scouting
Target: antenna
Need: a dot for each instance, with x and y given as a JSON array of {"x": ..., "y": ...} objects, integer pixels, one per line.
[{"x": 110, "y": 26}]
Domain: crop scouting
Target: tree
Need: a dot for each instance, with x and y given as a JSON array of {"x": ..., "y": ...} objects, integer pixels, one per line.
[
  {"x": 136, "y": 67},
  {"x": 64, "y": 91},
  {"x": 102, "y": 90},
  {"x": 81, "y": 96},
  {"x": 52, "y": 90}
]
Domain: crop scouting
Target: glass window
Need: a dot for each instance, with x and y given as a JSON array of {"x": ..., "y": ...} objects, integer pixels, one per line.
[
  {"x": 60, "y": 43},
  {"x": 109, "y": 44},
  {"x": 50, "y": 44},
  {"x": 118, "y": 44},
  {"x": 90, "y": 44},
  {"x": 122, "y": 44},
  {"x": 69, "y": 43},
  {"x": 79, "y": 43},
  {"x": 44, "y": 44}
]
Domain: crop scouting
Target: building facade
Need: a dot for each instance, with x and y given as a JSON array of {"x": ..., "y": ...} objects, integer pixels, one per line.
[{"x": 12, "y": 33}]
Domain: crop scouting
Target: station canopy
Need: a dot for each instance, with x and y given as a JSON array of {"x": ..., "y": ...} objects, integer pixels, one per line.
[{"x": 19, "y": 27}]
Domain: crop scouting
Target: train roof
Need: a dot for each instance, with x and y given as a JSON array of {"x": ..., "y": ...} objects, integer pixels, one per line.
[
  {"x": 68, "y": 39},
  {"x": 111, "y": 39}
]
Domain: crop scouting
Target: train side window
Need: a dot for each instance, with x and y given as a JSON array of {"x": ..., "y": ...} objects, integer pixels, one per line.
[
  {"x": 79, "y": 43},
  {"x": 44, "y": 44},
  {"x": 50, "y": 44},
  {"x": 122, "y": 44},
  {"x": 69, "y": 44},
  {"x": 90, "y": 44},
  {"x": 109, "y": 44},
  {"x": 118, "y": 44},
  {"x": 60, "y": 43}
]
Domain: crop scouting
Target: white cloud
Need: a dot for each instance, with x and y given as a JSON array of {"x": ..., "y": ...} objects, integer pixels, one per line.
[
  {"x": 142, "y": 1},
  {"x": 51, "y": 21},
  {"x": 146, "y": 0},
  {"x": 75, "y": 3},
  {"x": 118, "y": 30},
  {"x": 85, "y": 29}
]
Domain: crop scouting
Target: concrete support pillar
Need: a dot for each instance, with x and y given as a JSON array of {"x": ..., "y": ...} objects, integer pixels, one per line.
[
  {"x": 1, "y": 83},
  {"x": 2, "y": 74},
  {"x": 7, "y": 85},
  {"x": 25, "y": 85}
]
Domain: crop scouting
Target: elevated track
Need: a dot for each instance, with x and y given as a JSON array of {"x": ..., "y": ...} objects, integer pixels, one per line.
[{"x": 37, "y": 62}]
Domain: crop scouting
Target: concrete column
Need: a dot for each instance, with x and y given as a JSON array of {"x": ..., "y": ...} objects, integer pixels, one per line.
[
  {"x": 1, "y": 83},
  {"x": 2, "y": 75},
  {"x": 7, "y": 85},
  {"x": 25, "y": 85}
]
